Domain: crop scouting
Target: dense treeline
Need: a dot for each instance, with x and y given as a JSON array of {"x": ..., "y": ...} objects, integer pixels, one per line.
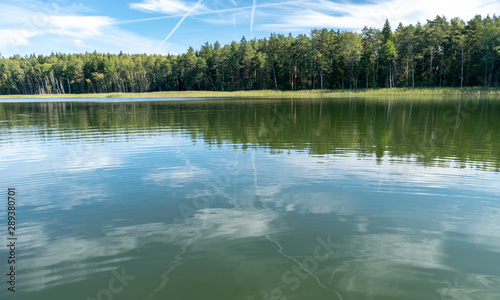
[{"x": 438, "y": 54}]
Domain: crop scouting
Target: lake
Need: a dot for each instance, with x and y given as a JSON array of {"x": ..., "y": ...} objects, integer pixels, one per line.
[{"x": 252, "y": 199}]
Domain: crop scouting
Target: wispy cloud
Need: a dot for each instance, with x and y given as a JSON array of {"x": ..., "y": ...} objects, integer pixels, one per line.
[
  {"x": 79, "y": 26},
  {"x": 15, "y": 37},
  {"x": 214, "y": 225},
  {"x": 164, "y": 6},
  {"x": 218, "y": 11},
  {"x": 32, "y": 28},
  {"x": 322, "y": 13},
  {"x": 176, "y": 176}
]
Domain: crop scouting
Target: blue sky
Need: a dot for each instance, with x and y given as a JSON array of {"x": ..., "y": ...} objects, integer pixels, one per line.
[{"x": 171, "y": 26}]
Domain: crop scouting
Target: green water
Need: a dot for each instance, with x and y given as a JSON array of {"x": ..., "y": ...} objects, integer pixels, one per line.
[{"x": 252, "y": 199}]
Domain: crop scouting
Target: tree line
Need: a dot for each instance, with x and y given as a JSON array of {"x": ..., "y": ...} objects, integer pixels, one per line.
[{"x": 440, "y": 53}]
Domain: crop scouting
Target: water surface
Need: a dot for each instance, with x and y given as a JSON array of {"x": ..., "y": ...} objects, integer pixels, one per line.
[{"x": 254, "y": 199}]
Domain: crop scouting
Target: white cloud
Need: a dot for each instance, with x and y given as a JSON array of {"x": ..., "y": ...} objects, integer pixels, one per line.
[
  {"x": 79, "y": 43},
  {"x": 231, "y": 223},
  {"x": 163, "y": 6},
  {"x": 318, "y": 14},
  {"x": 380, "y": 260},
  {"x": 177, "y": 176},
  {"x": 418, "y": 250},
  {"x": 79, "y": 26},
  {"x": 313, "y": 19},
  {"x": 473, "y": 286},
  {"x": 86, "y": 256},
  {"x": 90, "y": 163},
  {"x": 36, "y": 28},
  {"x": 484, "y": 230},
  {"x": 13, "y": 153},
  {"x": 84, "y": 157},
  {"x": 15, "y": 37}
]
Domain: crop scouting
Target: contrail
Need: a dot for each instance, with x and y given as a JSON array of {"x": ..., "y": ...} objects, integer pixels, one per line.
[
  {"x": 252, "y": 17},
  {"x": 205, "y": 12},
  {"x": 180, "y": 22},
  {"x": 177, "y": 262},
  {"x": 240, "y": 8},
  {"x": 302, "y": 267},
  {"x": 254, "y": 174}
]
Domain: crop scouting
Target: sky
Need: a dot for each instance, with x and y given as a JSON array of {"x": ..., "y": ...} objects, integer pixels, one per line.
[{"x": 171, "y": 26}]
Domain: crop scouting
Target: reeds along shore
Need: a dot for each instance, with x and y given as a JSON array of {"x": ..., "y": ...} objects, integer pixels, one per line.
[{"x": 467, "y": 91}]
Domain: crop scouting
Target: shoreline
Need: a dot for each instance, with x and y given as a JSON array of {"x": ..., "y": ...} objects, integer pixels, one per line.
[{"x": 398, "y": 92}]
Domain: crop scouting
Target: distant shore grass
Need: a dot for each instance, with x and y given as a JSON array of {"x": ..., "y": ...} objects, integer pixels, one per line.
[{"x": 466, "y": 91}]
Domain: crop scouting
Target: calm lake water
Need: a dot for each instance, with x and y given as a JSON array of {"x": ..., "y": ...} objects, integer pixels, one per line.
[{"x": 252, "y": 199}]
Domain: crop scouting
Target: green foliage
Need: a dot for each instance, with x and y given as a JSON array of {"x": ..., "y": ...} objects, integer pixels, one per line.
[{"x": 440, "y": 53}]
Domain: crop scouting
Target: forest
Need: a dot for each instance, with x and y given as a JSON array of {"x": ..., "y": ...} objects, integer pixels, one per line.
[{"x": 440, "y": 53}]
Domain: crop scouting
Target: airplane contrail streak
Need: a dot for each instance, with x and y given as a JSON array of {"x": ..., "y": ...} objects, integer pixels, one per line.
[
  {"x": 180, "y": 22},
  {"x": 252, "y": 18},
  {"x": 206, "y": 12}
]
